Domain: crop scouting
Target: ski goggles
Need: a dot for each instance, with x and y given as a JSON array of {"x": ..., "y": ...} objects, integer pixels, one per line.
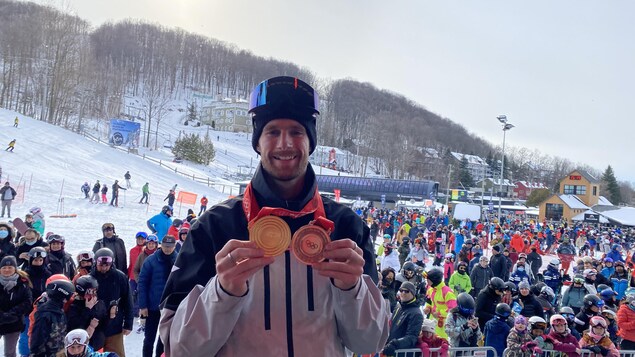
[
  {"x": 85, "y": 256},
  {"x": 557, "y": 322},
  {"x": 276, "y": 92},
  {"x": 108, "y": 227},
  {"x": 37, "y": 254},
  {"x": 104, "y": 260},
  {"x": 539, "y": 326},
  {"x": 55, "y": 238},
  {"x": 568, "y": 316}
]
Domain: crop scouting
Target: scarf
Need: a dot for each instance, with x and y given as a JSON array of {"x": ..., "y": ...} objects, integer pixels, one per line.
[{"x": 9, "y": 282}]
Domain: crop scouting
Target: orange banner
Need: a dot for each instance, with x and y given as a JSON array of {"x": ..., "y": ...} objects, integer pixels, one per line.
[{"x": 187, "y": 198}]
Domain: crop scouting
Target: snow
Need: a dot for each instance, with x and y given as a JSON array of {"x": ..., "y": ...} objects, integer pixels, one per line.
[
  {"x": 580, "y": 217},
  {"x": 603, "y": 201},
  {"x": 622, "y": 215},
  {"x": 573, "y": 202}
]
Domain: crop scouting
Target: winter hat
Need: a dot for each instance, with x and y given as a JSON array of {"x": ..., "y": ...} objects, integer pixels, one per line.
[
  {"x": 520, "y": 319},
  {"x": 284, "y": 98},
  {"x": 408, "y": 286},
  {"x": 8, "y": 261},
  {"x": 523, "y": 285},
  {"x": 497, "y": 248},
  {"x": 168, "y": 241},
  {"x": 435, "y": 276},
  {"x": 428, "y": 325}
]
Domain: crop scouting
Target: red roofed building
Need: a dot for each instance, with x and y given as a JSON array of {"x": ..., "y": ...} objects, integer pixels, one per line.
[{"x": 523, "y": 189}]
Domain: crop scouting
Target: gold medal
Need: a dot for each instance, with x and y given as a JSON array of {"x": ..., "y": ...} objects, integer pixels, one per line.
[
  {"x": 271, "y": 234},
  {"x": 308, "y": 244}
]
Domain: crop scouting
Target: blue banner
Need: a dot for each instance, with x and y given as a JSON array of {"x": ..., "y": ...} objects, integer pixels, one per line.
[{"x": 124, "y": 133}]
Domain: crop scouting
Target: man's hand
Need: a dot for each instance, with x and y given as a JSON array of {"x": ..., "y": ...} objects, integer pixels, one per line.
[
  {"x": 24, "y": 256},
  {"x": 143, "y": 312},
  {"x": 90, "y": 303},
  {"x": 126, "y": 332},
  {"x": 236, "y": 263},
  {"x": 344, "y": 263}
]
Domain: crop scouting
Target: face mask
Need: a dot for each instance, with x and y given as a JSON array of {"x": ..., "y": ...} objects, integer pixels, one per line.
[
  {"x": 30, "y": 243},
  {"x": 4, "y": 234},
  {"x": 461, "y": 271}
]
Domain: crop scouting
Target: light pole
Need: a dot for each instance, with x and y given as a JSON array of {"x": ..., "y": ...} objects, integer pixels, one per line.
[{"x": 506, "y": 126}]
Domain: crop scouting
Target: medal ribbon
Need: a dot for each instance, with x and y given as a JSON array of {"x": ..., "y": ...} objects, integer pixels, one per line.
[{"x": 315, "y": 206}]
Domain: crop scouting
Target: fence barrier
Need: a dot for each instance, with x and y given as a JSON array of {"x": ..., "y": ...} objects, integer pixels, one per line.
[
  {"x": 554, "y": 353},
  {"x": 452, "y": 352}
]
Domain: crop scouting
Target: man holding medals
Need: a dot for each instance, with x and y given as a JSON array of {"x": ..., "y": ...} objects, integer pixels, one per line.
[{"x": 279, "y": 271}]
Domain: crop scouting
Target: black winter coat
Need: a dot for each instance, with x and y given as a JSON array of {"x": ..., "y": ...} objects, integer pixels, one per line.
[
  {"x": 486, "y": 302},
  {"x": 14, "y": 305},
  {"x": 114, "y": 289},
  {"x": 6, "y": 245},
  {"x": 96, "y": 188},
  {"x": 118, "y": 247},
  {"x": 79, "y": 316},
  {"x": 38, "y": 276},
  {"x": 405, "y": 325},
  {"x": 61, "y": 262},
  {"x": 535, "y": 260},
  {"x": 49, "y": 329},
  {"x": 531, "y": 306},
  {"x": 498, "y": 263}
]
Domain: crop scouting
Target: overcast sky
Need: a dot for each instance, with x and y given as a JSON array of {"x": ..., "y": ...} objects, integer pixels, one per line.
[{"x": 562, "y": 71}]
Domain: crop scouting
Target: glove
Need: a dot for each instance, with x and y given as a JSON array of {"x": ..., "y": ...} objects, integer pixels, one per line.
[
  {"x": 566, "y": 277},
  {"x": 528, "y": 346},
  {"x": 538, "y": 350},
  {"x": 389, "y": 350},
  {"x": 594, "y": 349},
  {"x": 604, "y": 351}
]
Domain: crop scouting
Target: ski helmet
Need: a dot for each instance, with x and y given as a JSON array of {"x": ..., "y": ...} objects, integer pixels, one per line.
[
  {"x": 107, "y": 226},
  {"x": 592, "y": 300},
  {"x": 607, "y": 294},
  {"x": 143, "y": 235},
  {"x": 85, "y": 256},
  {"x": 37, "y": 252},
  {"x": 76, "y": 337},
  {"x": 167, "y": 208},
  {"x": 152, "y": 238},
  {"x": 503, "y": 310},
  {"x": 598, "y": 320},
  {"x": 547, "y": 293},
  {"x": 511, "y": 287},
  {"x": 557, "y": 319},
  {"x": 409, "y": 266},
  {"x": 60, "y": 290},
  {"x": 84, "y": 283},
  {"x": 554, "y": 263},
  {"x": 104, "y": 255},
  {"x": 601, "y": 287},
  {"x": 435, "y": 276},
  {"x": 55, "y": 238},
  {"x": 57, "y": 277},
  {"x": 465, "y": 304},
  {"x": 566, "y": 310},
  {"x": 496, "y": 283},
  {"x": 537, "y": 322}
]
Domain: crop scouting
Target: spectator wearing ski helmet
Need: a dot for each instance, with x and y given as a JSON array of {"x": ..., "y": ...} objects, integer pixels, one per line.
[
  {"x": 565, "y": 341},
  {"x": 111, "y": 241},
  {"x": 141, "y": 238},
  {"x": 592, "y": 307},
  {"x": 152, "y": 244},
  {"x": 59, "y": 261},
  {"x": 497, "y": 329},
  {"x": 118, "y": 291},
  {"x": 85, "y": 262},
  {"x": 38, "y": 271},
  {"x": 88, "y": 312},
  {"x": 461, "y": 325},
  {"x": 49, "y": 325},
  {"x": 609, "y": 297},
  {"x": 160, "y": 223},
  {"x": 442, "y": 299},
  {"x": 487, "y": 300},
  {"x": 597, "y": 339},
  {"x": 569, "y": 315}
]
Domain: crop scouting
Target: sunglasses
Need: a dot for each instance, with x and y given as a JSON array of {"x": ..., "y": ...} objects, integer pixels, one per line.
[
  {"x": 104, "y": 260},
  {"x": 108, "y": 229}
]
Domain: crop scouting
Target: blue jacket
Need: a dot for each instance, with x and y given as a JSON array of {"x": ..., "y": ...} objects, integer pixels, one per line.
[
  {"x": 607, "y": 272},
  {"x": 152, "y": 278},
  {"x": 159, "y": 225},
  {"x": 615, "y": 255},
  {"x": 553, "y": 279},
  {"x": 496, "y": 331},
  {"x": 518, "y": 276}
]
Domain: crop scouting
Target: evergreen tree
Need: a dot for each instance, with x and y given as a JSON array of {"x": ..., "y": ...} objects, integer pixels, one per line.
[
  {"x": 191, "y": 147},
  {"x": 536, "y": 197},
  {"x": 464, "y": 174},
  {"x": 612, "y": 186},
  {"x": 191, "y": 112}
]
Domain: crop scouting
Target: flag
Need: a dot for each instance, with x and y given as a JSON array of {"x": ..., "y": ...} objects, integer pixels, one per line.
[{"x": 187, "y": 198}]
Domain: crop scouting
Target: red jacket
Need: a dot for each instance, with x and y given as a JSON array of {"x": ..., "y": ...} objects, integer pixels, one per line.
[
  {"x": 173, "y": 231},
  {"x": 134, "y": 254},
  {"x": 567, "y": 344},
  {"x": 204, "y": 201},
  {"x": 626, "y": 323},
  {"x": 434, "y": 342}
]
